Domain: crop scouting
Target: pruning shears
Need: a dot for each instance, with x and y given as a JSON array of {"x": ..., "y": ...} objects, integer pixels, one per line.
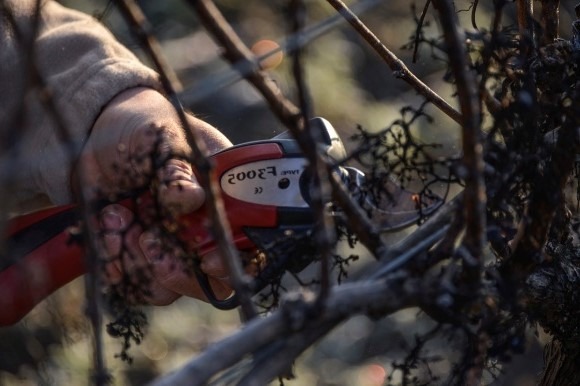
[{"x": 265, "y": 187}]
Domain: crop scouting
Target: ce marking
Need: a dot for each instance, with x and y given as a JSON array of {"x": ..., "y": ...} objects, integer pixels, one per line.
[{"x": 258, "y": 190}]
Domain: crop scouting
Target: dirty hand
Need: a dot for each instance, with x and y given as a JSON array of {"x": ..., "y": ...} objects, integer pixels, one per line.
[{"x": 138, "y": 141}]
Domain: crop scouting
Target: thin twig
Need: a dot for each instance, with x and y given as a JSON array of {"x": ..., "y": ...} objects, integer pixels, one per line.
[
  {"x": 457, "y": 225},
  {"x": 418, "y": 30},
  {"x": 493, "y": 105},
  {"x": 474, "y": 194},
  {"x": 236, "y": 51},
  {"x": 470, "y": 104},
  {"x": 441, "y": 218},
  {"x": 324, "y": 229},
  {"x": 546, "y": 196},
  {"x": 379, "y": 297},
  {"x": 398, "y": 67},
  {"x": 473, "y": 14},
  {"x": 37, "y": 83},
  {"x": 220, "y": 226},
  {"x": 243, "y": 67},
  {"x": 144, "y": 32},
  {"x": 550, "y": 20},
  {"x": 525, "y": 13},
  {"x": 477, "y": 351}
]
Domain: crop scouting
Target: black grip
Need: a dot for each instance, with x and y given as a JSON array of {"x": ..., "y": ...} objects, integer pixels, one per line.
[{"x": 26, "y": 240}]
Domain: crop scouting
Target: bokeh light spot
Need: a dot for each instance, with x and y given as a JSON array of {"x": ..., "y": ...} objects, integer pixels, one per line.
[
  {"x": 372, "y": 375},
  {"x": 155, "y": 347},
  {"x": 263, "y": 47}
]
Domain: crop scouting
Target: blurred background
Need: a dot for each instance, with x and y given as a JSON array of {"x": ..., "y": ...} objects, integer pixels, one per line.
[{"x": 350, "y": 86}]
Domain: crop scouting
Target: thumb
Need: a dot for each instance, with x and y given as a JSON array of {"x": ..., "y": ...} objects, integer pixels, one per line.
[{"x": 179, "y": 192}]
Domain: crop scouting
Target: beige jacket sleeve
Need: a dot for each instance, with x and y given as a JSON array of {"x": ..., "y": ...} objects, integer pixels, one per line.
[{"x": 83, "y": 67}]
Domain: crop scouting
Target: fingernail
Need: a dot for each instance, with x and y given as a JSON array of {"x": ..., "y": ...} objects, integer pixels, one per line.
[
  {"x": 150, "y": 246},
  {"x": 112, "y": 221}
]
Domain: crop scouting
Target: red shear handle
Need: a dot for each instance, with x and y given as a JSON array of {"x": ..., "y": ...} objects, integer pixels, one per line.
[
  {"x": 42, "y": 255},
  {"x": 38, "y": 273}
]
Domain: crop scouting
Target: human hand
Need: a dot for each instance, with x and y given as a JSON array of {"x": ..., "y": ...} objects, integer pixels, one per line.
[{"x": 138, "y": 141}]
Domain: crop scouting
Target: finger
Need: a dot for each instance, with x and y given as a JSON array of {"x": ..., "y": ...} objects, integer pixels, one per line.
[
  {"x": 136, "y": 132},
  {"x": 212, "y": 264},
  {"x": 113, "y": 221},
  {"x": 113, "y": 273},
  {"x": 138, "y": 282},
  {"x": 179, "y": 192},
  {"x": 174, "y": 274},
  {"x": 171, "y": 278},
  {"x": 157, "y": 276},
  {"x": 134, "y": 266},
  {"x": 213, "y": 139}
]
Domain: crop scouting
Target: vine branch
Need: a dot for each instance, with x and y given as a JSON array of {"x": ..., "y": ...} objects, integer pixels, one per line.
[
  {"x": 220, "y": 227},
  {"x": 400, "y": 70}
]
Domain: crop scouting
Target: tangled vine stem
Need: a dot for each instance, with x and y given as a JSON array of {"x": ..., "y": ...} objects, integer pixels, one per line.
[
  {"x": 513, "y": 204},
  {"x": 220, "y": 226},
  {"x": 464, "y": 275},
  {"x": 294, "y": 324},
  {"x": 236, "y": 52},
  {"x": 515, "y": 196},
  {"x": 474, "y": 201},
  {"x": 550, "y": 20}
]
